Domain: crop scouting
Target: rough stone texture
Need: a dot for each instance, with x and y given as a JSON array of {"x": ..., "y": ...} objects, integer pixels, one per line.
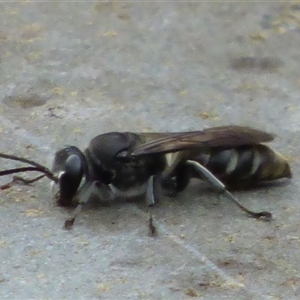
[{"x": 69, "y": 71}]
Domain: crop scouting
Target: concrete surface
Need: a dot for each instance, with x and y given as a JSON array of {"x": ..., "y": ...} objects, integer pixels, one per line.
[{"x": 69, "y": 71}]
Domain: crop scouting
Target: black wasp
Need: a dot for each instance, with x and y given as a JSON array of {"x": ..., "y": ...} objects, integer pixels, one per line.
[{"x": 228, "y": 156}]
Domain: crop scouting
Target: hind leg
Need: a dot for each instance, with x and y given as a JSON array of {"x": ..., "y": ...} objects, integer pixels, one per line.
[{"x": 215, "y": 182}]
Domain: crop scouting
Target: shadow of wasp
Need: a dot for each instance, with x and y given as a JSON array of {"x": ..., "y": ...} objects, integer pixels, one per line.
[{"x": 225, "y": 157}]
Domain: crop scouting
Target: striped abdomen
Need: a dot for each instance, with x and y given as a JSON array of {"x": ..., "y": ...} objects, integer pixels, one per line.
[{"x": 245, "y": 165}]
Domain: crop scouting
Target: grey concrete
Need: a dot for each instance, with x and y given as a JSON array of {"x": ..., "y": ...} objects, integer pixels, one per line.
[{"x": 69, "y": 71}]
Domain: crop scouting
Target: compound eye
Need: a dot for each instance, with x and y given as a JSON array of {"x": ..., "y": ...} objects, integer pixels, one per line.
[
  {"x": 61, "y": 157},
  {"x": 74, "y": 166},
  {"x": 69, "y": 181}
]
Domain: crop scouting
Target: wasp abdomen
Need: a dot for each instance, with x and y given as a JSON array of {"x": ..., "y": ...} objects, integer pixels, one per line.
[
  {"x": 272, "y": 164},
  {"x": 245, "y": 164}
]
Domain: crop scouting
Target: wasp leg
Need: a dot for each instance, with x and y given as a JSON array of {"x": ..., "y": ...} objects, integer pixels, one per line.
[
  {"x": 69, "y": 223},
  {"x": 206, "y": 174},
  {"x": 150, "y": 201},
  {"x": 176, "y": 182},
  {"x": 183, "y": 176},
  {"x": 101, "y": 190},
  {"x": 84, "y": 195},
  {"x": 176, "y": 176}
]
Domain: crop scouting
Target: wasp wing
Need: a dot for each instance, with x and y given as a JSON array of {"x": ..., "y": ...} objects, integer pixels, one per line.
[{"x": 225, "y": 136}]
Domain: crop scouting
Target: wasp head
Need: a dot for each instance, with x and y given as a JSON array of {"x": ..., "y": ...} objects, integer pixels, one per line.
[{"x": 70, "y": 166}]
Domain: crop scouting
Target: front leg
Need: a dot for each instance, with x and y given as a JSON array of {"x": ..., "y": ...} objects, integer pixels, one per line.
[{"x": 97, "y": 188}]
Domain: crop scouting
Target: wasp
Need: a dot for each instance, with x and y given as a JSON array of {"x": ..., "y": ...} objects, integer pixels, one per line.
[{"x": 226, "y": 157}]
